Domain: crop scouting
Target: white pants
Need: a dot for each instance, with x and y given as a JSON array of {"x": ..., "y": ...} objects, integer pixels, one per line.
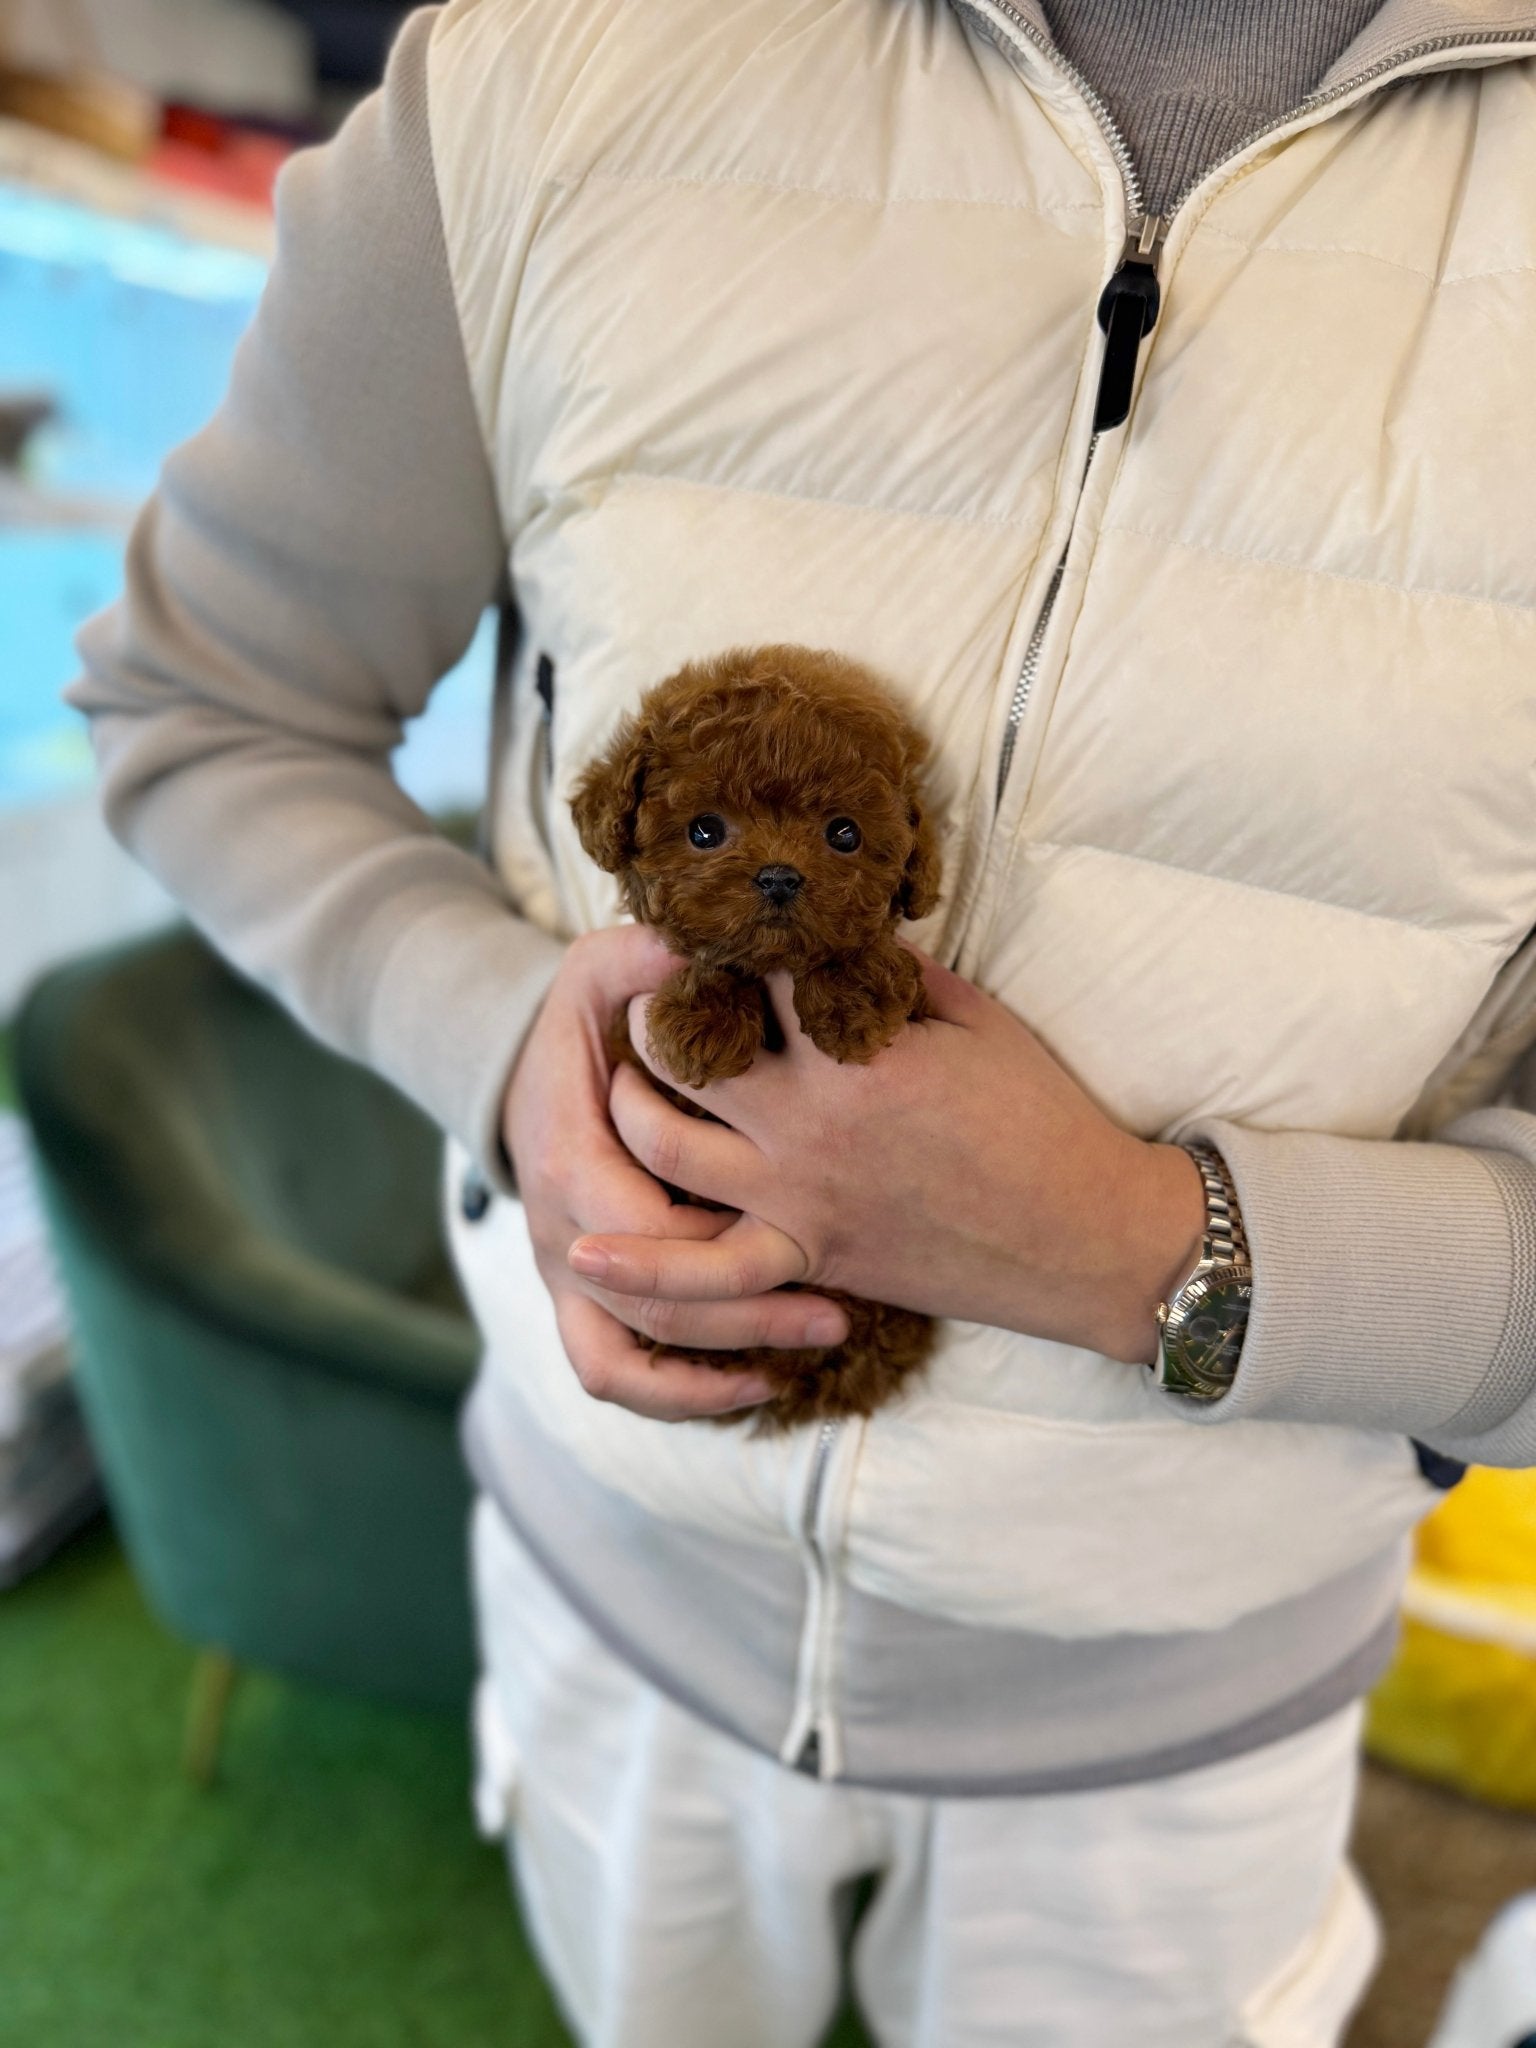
[{"x": 684, "y": 1891}]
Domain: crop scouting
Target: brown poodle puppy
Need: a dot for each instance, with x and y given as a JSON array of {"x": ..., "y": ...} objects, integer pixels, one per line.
[{"x": 764, "y": 810}]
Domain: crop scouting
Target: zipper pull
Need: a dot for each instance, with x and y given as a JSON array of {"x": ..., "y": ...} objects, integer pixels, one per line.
[{"x": 1128, "y": 309}]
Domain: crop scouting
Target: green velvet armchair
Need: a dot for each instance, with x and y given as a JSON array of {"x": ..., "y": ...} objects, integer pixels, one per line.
[{"x": 271, "y": 1348}]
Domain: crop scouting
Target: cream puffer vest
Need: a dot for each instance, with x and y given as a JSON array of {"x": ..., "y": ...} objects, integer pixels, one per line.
[{"x": 780, "y": 317}]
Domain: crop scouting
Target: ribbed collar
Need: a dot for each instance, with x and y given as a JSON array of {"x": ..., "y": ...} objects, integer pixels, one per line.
[
  {"x": 1189, "y": 81},
  {"x": 1399, "y": 27},
  {"x": 1402, "y": 25}
]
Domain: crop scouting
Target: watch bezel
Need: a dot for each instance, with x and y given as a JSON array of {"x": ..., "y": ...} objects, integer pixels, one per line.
[
  {"x": 1201, "y": 1283},
  {"x": 1175, "y": 1369}
]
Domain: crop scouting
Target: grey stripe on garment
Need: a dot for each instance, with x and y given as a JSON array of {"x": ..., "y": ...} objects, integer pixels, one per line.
[{"x": 925, "y": 1706}]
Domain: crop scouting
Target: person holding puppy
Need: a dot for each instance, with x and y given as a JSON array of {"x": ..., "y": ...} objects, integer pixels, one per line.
[{"x": 1129, "y": 387}]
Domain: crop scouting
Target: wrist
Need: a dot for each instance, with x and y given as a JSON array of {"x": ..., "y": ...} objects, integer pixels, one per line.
[{"x": 1160, "y": 1202}]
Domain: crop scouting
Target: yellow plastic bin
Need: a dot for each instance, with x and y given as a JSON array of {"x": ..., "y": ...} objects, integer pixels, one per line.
[{"x": 1458, "y": 1705}]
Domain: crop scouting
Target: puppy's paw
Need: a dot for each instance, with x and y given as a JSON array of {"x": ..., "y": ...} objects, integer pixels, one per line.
[
  {"x": 852, "y": 1010},
  {"x": 847, "y": 1027},
  {"x": 705, "y": 1028}
]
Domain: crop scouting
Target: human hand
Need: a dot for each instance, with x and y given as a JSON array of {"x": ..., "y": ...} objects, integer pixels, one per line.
[
  {"x": 963, "y": 1172},
  {"x": 574, "y": 1176}
]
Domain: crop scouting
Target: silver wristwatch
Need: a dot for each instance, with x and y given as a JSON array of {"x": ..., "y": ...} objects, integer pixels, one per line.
[{"x": 1202, "y": 1325}]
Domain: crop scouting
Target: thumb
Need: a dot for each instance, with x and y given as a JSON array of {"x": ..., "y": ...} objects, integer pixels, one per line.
[{"x": 630, "y": 960}]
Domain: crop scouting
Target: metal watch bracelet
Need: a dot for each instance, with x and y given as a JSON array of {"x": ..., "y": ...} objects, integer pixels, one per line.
[{"x": 1201, "y": 1326}]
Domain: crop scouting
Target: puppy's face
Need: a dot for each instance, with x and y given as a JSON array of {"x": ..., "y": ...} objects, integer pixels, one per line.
[
  {"x": 764, "y": 821},
  {"x": 780, "y": 880}
]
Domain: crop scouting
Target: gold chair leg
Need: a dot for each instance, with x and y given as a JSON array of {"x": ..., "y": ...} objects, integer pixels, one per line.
[{"x": 213, "y": 1681}]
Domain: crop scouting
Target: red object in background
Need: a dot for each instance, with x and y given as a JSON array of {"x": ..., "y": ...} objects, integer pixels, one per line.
[{"x": 218, "y": 155}]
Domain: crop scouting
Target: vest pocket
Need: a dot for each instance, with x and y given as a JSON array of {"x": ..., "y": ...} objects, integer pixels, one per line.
[
  {"x": 544, "y": 690},
  {"x": 524, "y": 777}
]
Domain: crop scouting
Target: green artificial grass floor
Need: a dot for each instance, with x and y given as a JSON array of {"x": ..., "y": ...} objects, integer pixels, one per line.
[{"x": 328, "y": 1893}]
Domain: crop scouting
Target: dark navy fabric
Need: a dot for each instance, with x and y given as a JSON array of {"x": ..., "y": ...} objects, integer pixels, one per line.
[{"x": 1442, "y": 1472}]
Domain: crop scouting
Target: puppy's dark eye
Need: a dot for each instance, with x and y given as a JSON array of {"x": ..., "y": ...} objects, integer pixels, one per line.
[
  {"x": 843, "y": 836},
  {"x": 706, "y": 831}
]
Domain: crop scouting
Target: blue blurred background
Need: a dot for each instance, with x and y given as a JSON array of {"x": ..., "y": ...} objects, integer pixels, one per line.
[{"x": 125, "y": 328}]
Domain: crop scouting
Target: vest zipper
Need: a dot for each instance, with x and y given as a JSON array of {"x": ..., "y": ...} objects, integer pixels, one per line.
[
  {"x": 812, "y": 1743},
  {"x": 1128, "y": 309},
  {"x": 1119, "y": 148},
  {"x": 1132, "y": 299},
  {"x": 1128, "y": 306},
  {"x": 1030, "y": 665}
]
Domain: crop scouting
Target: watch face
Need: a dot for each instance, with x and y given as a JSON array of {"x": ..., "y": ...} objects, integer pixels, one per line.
[{"x": 1206, "y": 1324}]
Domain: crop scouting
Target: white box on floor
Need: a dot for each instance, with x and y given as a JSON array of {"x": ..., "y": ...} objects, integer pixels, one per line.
[
  {"x": 1492, "y": 2003},
  {"x": 48, "y": 1482}
]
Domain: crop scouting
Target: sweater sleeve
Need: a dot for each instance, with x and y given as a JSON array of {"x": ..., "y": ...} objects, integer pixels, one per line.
[
  {"x": 311, "y": 564},
  {"x": 1394, "y": 1284}
]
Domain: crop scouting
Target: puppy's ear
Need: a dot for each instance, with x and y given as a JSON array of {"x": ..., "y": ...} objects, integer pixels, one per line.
[
  {"x": 608, "y": 796},
  {"x": 919, "y": 889}
]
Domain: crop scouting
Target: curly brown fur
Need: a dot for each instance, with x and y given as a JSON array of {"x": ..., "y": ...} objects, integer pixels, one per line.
[
  {"x": 776, "y": 746},
  {"x": 777, "y": 743}
]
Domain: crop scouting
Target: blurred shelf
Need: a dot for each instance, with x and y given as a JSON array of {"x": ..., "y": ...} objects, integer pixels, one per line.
[{"x": 72, "y": 172}]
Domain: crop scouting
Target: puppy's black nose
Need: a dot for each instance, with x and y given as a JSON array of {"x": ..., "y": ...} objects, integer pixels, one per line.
[{"x": 779, "y": 884}]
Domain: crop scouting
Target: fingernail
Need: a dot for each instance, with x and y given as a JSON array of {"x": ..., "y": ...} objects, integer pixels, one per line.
[
  {"x": 754, "y": 1393},
  {"x": 588, "y": 1259},
  {"x": 826, "y": 1328}
]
